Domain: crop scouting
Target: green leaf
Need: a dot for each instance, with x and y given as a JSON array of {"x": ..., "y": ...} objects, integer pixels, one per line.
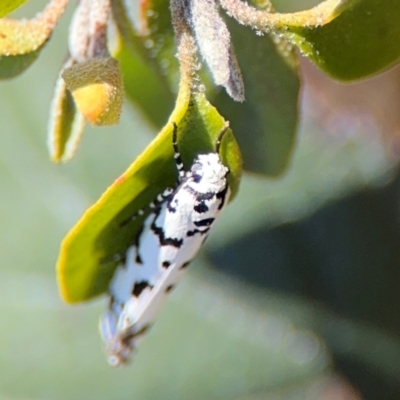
[
  {"x": 25, "y": 36},
  {"x": 265, "y": 124},
  {"x": 12, "y": 66},
  {"x": 7, "y": 6},
  {"x": 22, "y": 40},
  {"x": 144, "y": 81},
  {"x": 66, "y": 123},
  {"x": 85, "y": 263},
  {"x": 160, "y": 40},
  {"x": 349, "y": 39}
]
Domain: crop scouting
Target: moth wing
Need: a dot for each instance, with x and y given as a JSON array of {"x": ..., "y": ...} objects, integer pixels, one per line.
[{"x": 140, "y": 312}]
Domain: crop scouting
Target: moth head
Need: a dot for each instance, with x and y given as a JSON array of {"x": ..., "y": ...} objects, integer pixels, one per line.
[{"x": 208, "y": 169}]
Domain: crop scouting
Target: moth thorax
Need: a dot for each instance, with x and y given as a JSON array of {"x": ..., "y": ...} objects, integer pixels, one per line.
[{"x": 208, "y": 169}]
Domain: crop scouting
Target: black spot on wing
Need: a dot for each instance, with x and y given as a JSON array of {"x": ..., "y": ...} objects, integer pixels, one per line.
[
  {"x": 171, "y": 208},
  {"x": 201, "y": 199},
  {"x": 200, "y": 207},
  {"x": 143, "y": 330},
  {"x": 185, "y": 265},
  {"x": 194, "y": 231},
  {"x": 133, "y": 335},
  {"x": 172, "y": 205},
  {"x": 205, "y": 196},
  {"x": 169, "y": 288},
  {"x": 166, "y": 264},
  {"x": 136, "y": 243},
  {"x": 126, "y": 342},
  {"x": 138, "y": 288},
  {"x": 164, "y": 241},
  {"x": 222, "y": 196},
  {"x": 204, "y": 222},
  {"x": 198, "y": 195}
]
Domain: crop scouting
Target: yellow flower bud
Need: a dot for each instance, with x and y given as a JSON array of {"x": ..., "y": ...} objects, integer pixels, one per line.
[{"x": 97, "y": 88}]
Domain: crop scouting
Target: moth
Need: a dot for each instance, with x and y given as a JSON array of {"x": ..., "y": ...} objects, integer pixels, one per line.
[{"x": 169, "y": 239}]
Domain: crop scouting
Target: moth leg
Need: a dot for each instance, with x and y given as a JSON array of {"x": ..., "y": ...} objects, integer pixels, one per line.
[
  {"x": 153, "y": 205},
  {"x": 220, "y": 136},
  {"x": 168, "y": 191},
  {"x": 177, "y": 154},
  {"x": 161, "y": 198},
  {"x": 117, "y": 257}
]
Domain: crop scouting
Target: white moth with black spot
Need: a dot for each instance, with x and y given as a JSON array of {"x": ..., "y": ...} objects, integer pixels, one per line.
[{"x": 169, "y": 239}]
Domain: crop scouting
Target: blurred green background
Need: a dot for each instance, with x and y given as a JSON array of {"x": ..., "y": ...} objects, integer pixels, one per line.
[{"x": 295, "y": 296}]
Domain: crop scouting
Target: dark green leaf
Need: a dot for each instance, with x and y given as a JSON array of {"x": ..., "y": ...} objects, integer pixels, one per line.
[
  {"x": 12, "y": 66},
  {"x": 353, "y": 39},
  {"x": 143, "y": 80},
  {"x": 266, "y": 123}
]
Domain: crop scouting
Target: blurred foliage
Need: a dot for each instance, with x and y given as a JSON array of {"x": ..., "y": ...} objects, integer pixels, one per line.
[
  {"x": 349, "y": 39},
  {"x": 306, "y": 301},
  {"x": 143, "y": 82},
  {"x": 8, "y": 6},
  {"x": 23, "y": 39}
]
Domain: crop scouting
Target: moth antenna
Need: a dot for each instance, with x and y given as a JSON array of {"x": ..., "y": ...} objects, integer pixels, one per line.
[
  {"x": 177, "y": 154},
  {"x": 220, "y": 137}
]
